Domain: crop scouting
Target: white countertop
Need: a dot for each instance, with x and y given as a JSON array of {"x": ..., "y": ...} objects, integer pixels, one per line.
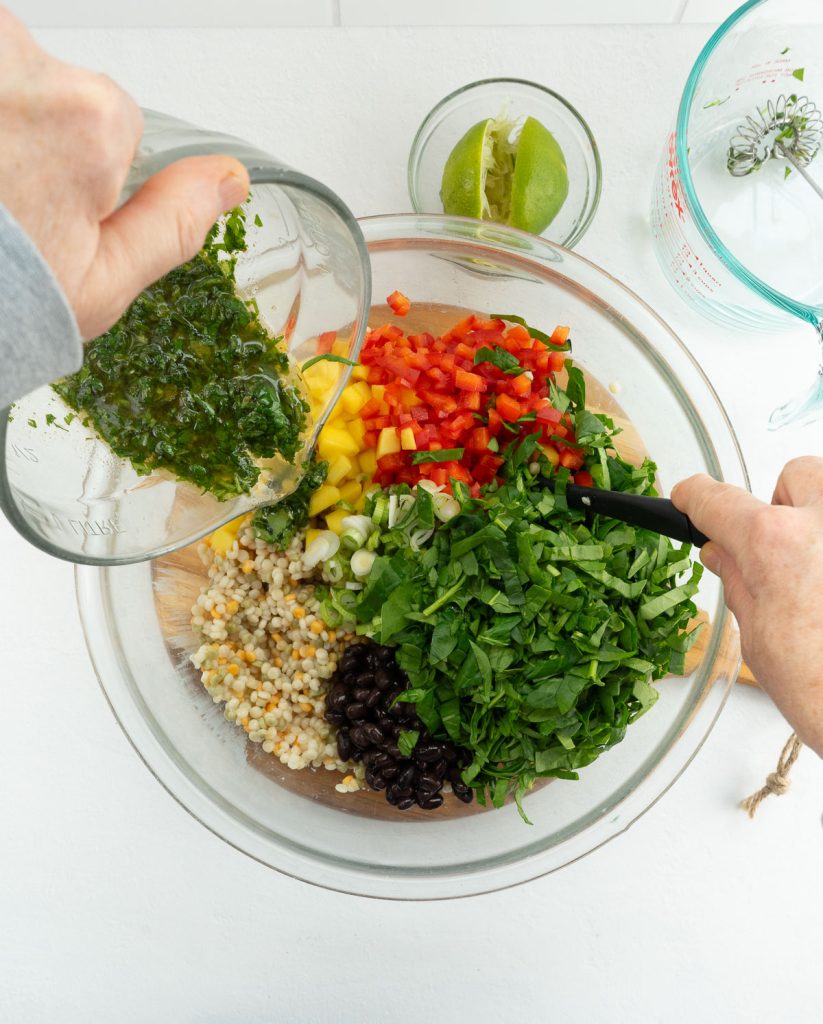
[{"x": 116, "y": 905}]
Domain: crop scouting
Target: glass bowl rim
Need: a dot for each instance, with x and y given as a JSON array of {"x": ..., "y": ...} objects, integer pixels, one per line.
[{"x": 413, "y": 164}]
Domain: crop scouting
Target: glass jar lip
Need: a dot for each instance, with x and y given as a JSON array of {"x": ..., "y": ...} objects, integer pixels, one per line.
[
  {"x": 420, "y": 135},
  {"x": 695, "y": 207},
  {"x": 370, "y": 879}
]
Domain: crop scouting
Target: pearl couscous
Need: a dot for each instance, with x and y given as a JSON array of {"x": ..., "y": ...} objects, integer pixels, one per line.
[{"x": 266, "y": 654}]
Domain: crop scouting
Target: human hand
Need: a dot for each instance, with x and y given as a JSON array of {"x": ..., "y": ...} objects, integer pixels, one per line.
[
  {"x": 67, "y": 138},
  {"x": 770, "y": 559}
]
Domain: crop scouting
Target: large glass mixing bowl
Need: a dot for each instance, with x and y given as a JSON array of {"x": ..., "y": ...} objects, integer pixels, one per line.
[
  {"x": 136, "y": 617},
  {"x": 306, "y": 266}
]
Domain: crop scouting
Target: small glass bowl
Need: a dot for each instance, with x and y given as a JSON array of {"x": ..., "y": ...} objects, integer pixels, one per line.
[{"x": 456, "y": 113}]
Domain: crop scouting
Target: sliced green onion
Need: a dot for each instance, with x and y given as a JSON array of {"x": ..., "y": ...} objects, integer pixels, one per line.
[{"x": 362, "y": 561}]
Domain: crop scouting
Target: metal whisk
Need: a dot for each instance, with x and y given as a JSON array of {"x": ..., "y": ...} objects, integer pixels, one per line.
[{"x": 791, "y": 128}]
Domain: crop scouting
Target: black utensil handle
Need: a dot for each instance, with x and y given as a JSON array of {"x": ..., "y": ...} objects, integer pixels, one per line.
[{"x": 657, "y": 514}]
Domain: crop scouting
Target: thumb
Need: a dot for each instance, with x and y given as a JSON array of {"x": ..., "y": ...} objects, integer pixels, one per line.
[
  {"x": 735, "y": 592},
  {"x": 163, "y": 224}
]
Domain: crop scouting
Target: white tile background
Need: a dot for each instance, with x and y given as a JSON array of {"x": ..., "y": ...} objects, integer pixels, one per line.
[{"x": 293, "y": 13}]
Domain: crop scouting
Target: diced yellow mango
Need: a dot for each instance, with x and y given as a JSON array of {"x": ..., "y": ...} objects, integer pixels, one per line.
[
  {"x": 409, "y": 398},
  {"x": 340, "y": 347},
  {"x": 335, "y": 441},
  {"x": 350, "y": 492},
  {"x": 552, "y": 455},
  {"x": 368, "y": 462},
  {"x": 221, "y": 540},
  {"x": 321, "y": 378},
  {"x": 360, "y": 372},
  {"x": 360, "y": 504},
  {"x": 339, "y": 468},
  {"x": 323, "y": 497},
  {"x": 357, "y": 429},
  {"x": 334, "y": 520},
  {"x": 388, "y": 442},
  {"x": 312, "y": 535},
  {"x": 407, "y": 441},
  {"x": 354, "y": 397},
  {"x": 378, "y": 391}
]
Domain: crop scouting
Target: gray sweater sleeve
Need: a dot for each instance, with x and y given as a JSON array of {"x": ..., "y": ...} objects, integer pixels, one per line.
[{"x": 39, "y": 339}]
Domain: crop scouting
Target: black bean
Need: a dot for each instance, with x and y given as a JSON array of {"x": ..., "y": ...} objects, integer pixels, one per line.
[
  {"x": 449, "y": 753},
  {"x": 390, "y": 796},
  {"x": 393, "y": 750},
  {"x": 382, "y": 679},
  {"x": 369, "y": 756},
  {"x": 407, "y": 777},
  {"x": 364, "y": 680},
  {"x": 361, "y": 694},
  {"x": 374, "y": 733},
  {"x": 382, "y": 760},
  {"x": 425, "y": 752},
  {"x": 335, "y": 717},
  {"x": 386, "y": 724},
  {"x": 344, "y": 745},
  {"x": 385, "y": 654},
  {"x": 391, "y": 770},
  {"x": 356, "y": 711},
  {"x": 356, "y": 755},
  {"x": 338, "y": 697},
  {"x": 397, "y": 711},
  {"x": 462, "y": 791},
  {"x": 374, "y": 699},
  {"x": 359, "y": 738},
  {"x": 405, "y": 803},
  {"x": 439, "y": 770},
  {"x": 428, "y": 784},
  {"x": 431, "y": 803},
  {"x": 400, "y": 792},
  {"x": 374, "y": 780},
  {"x": 456, "y": 776}
]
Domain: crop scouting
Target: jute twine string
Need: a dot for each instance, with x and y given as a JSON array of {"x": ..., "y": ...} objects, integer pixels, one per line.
[{"x": 777, "y": 782}]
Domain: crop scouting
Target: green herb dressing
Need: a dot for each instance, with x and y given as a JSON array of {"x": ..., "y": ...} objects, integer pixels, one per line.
[{"x": 190, "y": 381}]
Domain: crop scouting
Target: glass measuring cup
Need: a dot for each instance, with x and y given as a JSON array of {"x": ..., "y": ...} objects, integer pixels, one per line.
[
  {"x": 307, "y": 267},
  {"x": 746, "y": 251}
]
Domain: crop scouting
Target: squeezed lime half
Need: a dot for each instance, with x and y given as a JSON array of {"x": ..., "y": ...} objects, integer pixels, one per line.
[{"x": 508, "y": 173}]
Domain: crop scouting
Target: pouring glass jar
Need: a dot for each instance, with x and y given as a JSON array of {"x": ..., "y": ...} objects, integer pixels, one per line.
[{"x": 307, "y": 268}]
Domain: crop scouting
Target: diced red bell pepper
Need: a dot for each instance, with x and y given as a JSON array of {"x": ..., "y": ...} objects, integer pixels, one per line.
[
  {"x": 548, "y": 414},
  {"x": 486, "y": 467},
  {"x": 584, "y": 478},
  {"x": 470, "y": 400},
  {"x": 398, "y": 303},
  {"x": 479, "y": 439},
  {"x": 571, "y": 458},
  {"x": 520, "y": 385},
  {"x": 560, "y": 335},
  {"x": 325, "y": 342},
  {"x": 466, "y": 381},
  {"x": 370, "y": 409},
  {"x": 508, "y": 408},
  {"x": 391, "y": 463}
]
